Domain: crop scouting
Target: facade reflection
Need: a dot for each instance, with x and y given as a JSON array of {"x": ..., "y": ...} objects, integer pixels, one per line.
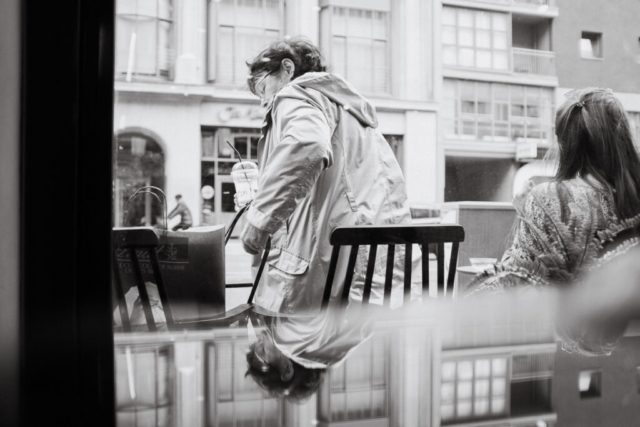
[{"x": 486, "y": 363}]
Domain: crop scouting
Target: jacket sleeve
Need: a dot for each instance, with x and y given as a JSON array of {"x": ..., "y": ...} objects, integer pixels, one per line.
[{"x": 294, "y": 165}]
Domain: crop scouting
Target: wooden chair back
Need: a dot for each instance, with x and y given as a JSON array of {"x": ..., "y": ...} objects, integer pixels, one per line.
[{"x": 393, "y": 235}]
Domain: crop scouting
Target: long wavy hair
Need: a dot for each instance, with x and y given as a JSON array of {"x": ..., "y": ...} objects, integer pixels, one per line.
[{"x": 594, "y": 138}]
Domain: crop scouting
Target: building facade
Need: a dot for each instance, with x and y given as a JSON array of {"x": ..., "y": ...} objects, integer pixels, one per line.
[{"x": 181, "y": 90}]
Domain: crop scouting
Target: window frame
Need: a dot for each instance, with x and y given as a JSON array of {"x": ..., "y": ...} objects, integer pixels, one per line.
[
  {"x": 326, "y": 40},
  {"x": 492, "y": 49},
  {"x": 172, "y": 51},
  {"x": 455, "y": 419},
  {"x": 597, "y": 47},
  {"x": 540, "y": 122},
  {"x": 213, "y": 39}
]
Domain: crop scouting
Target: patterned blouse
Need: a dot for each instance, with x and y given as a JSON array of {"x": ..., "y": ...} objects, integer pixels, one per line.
[{"x": 561, "y": 232}]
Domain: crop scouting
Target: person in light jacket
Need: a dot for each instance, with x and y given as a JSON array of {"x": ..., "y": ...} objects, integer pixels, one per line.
[{"x": 323, "y": 163}]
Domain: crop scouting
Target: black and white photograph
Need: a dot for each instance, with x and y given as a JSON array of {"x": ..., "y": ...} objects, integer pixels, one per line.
[{"x": 320, "y": 213}]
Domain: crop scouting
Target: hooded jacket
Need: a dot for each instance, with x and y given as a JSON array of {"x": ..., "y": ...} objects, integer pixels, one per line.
[{"x": 323, "y": 163}]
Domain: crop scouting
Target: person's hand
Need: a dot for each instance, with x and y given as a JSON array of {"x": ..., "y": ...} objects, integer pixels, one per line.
[
  {"x": 521, "y": 196},
  {"x": 253, "y": 239}
]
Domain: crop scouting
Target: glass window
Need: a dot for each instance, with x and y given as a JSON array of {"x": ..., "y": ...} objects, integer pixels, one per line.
[
  {"x": 590, "y": 384},
  {"x": 139, "y": 163},
  {"x": 591, "y": 45},
  {"x": 218, "y": 157},
  {"x": 359, "y": 386},
  {"x": 359, "y": 47},
  {"x": 474, "y": 38},
  {"x": 240, "y": 30},
  {"x": 144, "y": 38},
  {"x": 497, "y": 112},
  {"x": 473, "y": 389}
]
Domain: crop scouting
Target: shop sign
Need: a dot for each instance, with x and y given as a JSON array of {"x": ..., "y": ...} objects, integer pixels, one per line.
[
  {"x": 233, "y": 113},
  {"x": 527, "y": 150}
]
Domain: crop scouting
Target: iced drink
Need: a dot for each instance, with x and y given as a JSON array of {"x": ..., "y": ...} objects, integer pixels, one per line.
[{"x": 245, "y": 178}]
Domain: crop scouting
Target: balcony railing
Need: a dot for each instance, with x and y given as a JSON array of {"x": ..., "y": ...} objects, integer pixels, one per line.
[
  {"x": 536, "y": 2},
  {"x": 534, "y": 62}
]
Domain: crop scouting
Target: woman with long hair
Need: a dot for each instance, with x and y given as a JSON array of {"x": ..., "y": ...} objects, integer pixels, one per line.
[{"x": 566, "y": 225}]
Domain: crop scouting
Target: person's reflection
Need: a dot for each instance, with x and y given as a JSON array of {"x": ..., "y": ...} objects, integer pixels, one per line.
[{"x": 290, "y": 357}]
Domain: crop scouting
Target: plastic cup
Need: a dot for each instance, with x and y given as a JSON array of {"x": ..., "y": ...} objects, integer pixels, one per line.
[{"x": 245, "y": 179}]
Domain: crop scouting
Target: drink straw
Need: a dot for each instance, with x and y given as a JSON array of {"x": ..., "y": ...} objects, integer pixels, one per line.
[{"x": 240, "y": 157}]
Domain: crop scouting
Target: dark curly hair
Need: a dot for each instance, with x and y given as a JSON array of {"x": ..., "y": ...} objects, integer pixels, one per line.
[
  {"x": 304, "y": 55},
  {"x": 299, "y": 388}
]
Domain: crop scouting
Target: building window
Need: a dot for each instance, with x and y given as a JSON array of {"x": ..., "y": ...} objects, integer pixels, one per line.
[
  {"x": 531, "y": 381},
  {"x": 357, "y": 41},
  {"x": 144, "y": 385},
  {"x": 144, "y": 38},
  {"x": 475, "y": 38},
  {"x": 590, "y": 384},
  {"x": 474, "y": 389},
  {"x": 139, "y": 162},
  {"x": 396, "y": 142},
  {"x": 591, "y": 45},
  {"x": 235, "y": 399},
  {"x": 497, "y": 112},
  {"x": 359, "y": 386},
  {"x": 218, "y": 158},
  {"x": 239, "y": 30}
]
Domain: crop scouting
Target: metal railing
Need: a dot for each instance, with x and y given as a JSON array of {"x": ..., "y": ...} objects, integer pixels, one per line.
[{"x": 533, "y": 62}]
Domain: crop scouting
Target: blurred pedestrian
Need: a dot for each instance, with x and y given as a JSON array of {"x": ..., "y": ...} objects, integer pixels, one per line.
[{"x": 185, "y": 214}]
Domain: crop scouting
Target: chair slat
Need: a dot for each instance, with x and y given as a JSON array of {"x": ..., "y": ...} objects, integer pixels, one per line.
[
  {"x": 453, "y": 264},
  {"x": 122, "y": 302},
  {"x": 353, "y": 256},
  {"x": 425, "y": 270},
  {"x": 407, "y": 272},
  {"x": 330, "y": 276},
  {"x": 368, "y": 281},
  {"x": 440, "y": 261},
  {"x": 388, "y": 280},
  {"x": 162, "y": 291},
  {"x": 142, "y": 290}
]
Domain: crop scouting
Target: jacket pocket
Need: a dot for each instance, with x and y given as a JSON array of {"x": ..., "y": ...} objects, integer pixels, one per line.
[{"x": 289, "y": 263}]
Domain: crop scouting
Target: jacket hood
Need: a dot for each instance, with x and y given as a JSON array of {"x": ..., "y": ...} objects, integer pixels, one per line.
[{"x": 337, "y": 89}]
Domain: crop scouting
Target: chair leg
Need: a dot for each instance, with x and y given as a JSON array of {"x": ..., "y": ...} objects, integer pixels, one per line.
[
  {"x": 142, "y": 290},
  {"x": 260, "y": 270},
  {"x": 162, "y": 291},
  {"x": 122, "y": 301}
]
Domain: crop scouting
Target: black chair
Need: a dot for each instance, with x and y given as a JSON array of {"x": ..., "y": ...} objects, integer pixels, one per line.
[
  {"x": 134, "y": 240},
  {"x": 393, "y": 235}
]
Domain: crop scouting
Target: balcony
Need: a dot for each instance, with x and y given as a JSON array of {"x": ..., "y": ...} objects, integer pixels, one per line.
[
  {"x": 533, "y": 62},
  {"x": 550, "y": 3}
]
